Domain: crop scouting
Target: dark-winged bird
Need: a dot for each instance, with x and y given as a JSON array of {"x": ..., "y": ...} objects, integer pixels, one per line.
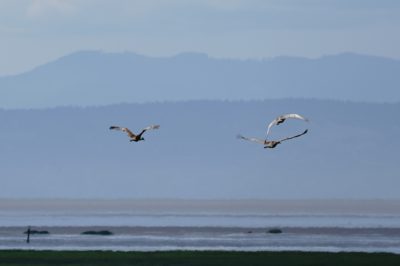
[
  {"x": 271, "y": 143},
  {"x": 131, "y": 135}
]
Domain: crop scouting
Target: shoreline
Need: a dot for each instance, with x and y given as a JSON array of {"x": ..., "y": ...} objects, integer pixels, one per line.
[
  {"x": 238, "y": 239},
  {"x": 178, "y": 230}
]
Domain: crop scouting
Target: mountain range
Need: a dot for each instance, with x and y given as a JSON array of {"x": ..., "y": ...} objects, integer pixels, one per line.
[{"x": 92, "y": 78}]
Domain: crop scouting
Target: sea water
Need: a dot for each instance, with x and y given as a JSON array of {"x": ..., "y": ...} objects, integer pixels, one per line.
[{"x": 147, "y": 225}]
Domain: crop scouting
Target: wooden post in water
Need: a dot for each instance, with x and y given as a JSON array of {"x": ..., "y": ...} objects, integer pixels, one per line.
[{"x": 29, "y": 234}]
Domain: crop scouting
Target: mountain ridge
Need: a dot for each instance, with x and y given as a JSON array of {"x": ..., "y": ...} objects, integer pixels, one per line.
[{"x": 89, "y": 78}]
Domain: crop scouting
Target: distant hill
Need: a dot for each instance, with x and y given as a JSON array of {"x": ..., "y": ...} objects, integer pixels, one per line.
[
  {"x": 351, "y": 151},
  {"x": 94, "y": 78}
]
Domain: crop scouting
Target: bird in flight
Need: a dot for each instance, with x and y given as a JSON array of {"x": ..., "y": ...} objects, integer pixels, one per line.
[
  {"x": 271, "y": 143},
  {"x": 280, "y": 119},
  {"x": 131, "y": 135}
]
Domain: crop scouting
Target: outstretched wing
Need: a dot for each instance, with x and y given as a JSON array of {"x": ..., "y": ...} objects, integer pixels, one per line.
[
  {"x": 261, "y": 141},
  {"x": 116, "y": 128},
  {"x": 124, "y": 129},
  {"x": 271, "y": 124},
  {"x": 149, "y": 128},
  {"x": 296, "y": 136},
  {"x": 286, "y": 116},
  {"x": 295, "y": 116}
]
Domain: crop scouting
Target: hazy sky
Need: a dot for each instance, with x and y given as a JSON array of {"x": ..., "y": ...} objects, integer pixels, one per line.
[{"x": 33, "y": 32}]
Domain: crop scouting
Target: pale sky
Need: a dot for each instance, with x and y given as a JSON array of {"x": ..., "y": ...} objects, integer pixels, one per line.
[{"x": 33, "y": 32}]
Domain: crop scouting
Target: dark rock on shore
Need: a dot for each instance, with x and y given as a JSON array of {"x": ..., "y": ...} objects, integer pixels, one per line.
[
  {"x": 101, "y": 232},
  {"x": 275, "y": 231}
]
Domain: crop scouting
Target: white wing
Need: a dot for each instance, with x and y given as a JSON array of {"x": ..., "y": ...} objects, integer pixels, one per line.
[
  {"x": 270, "y": 125},
  {"x": 261, "y": 141},
  {"x": 151, "y": 127},
  {"x": 295, "y": 116}
]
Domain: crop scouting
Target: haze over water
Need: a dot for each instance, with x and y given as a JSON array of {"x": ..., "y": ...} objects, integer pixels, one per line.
[{"x": 240, "y": 213}]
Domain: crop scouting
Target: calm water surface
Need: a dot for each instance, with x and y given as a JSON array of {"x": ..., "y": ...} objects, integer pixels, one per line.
[{"x": 371, "y": 226}]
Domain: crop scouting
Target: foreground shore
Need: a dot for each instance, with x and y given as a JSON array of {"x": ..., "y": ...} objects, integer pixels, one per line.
[{"x": 187, "y": 258}]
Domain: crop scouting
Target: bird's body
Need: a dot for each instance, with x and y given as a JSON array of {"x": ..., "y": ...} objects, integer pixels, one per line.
[
  {"x": 282, "y": 118},
  {"x": 131, "y": 135},
  {"x": 270, "y": 144}
]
